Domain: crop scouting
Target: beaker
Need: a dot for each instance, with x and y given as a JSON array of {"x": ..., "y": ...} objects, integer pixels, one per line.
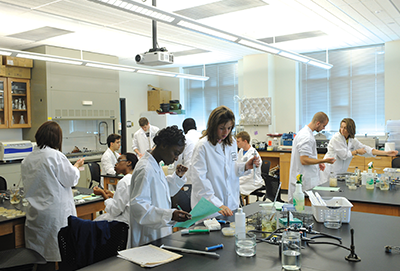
[
  {"x": 15, "y": 196},
  {"x": 245, "y": 244},
  {"x": 333, "y": 217},
  {"x": 290, "y": 250}
]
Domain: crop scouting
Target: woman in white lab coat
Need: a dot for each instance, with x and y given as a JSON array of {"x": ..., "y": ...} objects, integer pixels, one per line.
[
  {"x": 48, "y": 176},
  {"x": 151, "y": 215},
  {"x": 343, "y": 146},
  {"x": 214, "y": 169},
  {"x": 117, "y": 204}
]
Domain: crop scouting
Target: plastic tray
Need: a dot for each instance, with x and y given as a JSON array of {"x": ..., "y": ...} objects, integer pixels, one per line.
[{"x": 345, "y": 204}]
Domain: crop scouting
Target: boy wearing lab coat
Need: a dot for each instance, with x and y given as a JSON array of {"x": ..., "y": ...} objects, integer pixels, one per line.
[
  {"x": 143, "y": 138},
  {"x": 110, "y": 156},
  {"x": 249, "y": 181},
  {"x": 304, "y": 159}
]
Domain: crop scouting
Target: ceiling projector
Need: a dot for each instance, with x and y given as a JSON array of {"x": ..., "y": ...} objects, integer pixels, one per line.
[{"x": 155, "y": 58}]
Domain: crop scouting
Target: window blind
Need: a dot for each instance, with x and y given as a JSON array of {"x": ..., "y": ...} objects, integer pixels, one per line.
[
  {"x": 353, "y": 88},
  {"x": 201, "y": 97}
]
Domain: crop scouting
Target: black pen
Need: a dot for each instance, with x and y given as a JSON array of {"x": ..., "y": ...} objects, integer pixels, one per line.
[{"x": 188, "y": 216}]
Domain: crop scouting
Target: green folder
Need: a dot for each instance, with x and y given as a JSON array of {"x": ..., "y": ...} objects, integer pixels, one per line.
[{"x": 202, "y": 209}]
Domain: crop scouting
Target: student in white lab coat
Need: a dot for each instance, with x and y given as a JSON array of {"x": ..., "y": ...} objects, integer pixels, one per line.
[
  {"x": 151, "y": 216},
  {"x": 48, "y": 176},
  {"x": 344, "y": 146},
  {"x": 117, "y": 204},
  {"x": 110, "y": 156},
  {"x": 215, "y": 169},
  {"x": 248, "y": 182},
  {"x": 143, "y": 139},
  {"x": 304, "y": 159},
  {"x": 192, "y": 137}
]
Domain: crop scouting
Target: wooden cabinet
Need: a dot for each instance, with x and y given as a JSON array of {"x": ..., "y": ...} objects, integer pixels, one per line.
[
  {"x": 357, "y": 161},
  {"x": 15, "y": 103},
  {"x": 283, "y": 160},
  {"x": 379, "y": 163}
]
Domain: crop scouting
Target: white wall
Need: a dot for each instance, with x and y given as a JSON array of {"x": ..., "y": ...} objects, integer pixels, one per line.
[
  {"x": 264, "y": 75},
  {"x": 392, "y": 72},
  {"x": 133, "y": 87}
]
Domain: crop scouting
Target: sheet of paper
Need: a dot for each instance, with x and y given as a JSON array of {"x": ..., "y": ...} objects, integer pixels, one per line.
[
  {"x": 324, "y": 188},
  {"x": 148, "y": 256},
  {"x": 202, "y": 209}
]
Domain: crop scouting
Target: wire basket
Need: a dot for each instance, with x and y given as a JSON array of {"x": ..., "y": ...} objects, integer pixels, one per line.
[{"x": 341, "y": 203}]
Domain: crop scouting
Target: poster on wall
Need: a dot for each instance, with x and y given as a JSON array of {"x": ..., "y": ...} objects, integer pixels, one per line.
[{"x": 255, "y": 111}]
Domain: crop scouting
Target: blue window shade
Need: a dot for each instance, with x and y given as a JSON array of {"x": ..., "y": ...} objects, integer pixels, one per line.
[
  {"x": 353, "y": 88},
  {"x": 203, "y": 97}
]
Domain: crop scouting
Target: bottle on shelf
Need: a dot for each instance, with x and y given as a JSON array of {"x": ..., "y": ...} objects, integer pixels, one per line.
[
  {"x": 13, "y": 120},
  {"x": 22, "y": 121}
]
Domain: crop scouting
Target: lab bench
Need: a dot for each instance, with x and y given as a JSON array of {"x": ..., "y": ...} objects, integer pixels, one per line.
[
  {"x": 369, "y": 246},
  {"x": 282, "y": 158},
  {"x": 12, "y": 229},
  {"x": 385, "y": 202}
]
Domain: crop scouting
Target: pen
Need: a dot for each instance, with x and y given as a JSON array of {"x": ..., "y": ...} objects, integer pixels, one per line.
[
  {"x": 214, "y": 247},
  {"x": 188, "y": 216}
]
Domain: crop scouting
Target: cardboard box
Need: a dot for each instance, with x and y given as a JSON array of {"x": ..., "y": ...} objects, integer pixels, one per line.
[
  {"x": 17, "y": 62},
  {"x": 157, "y": 97},
  {"x": 17, "y": 72}
]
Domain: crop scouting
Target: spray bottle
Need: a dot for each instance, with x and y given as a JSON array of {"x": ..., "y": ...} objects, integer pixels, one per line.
[{"x": 298, "y": 195}]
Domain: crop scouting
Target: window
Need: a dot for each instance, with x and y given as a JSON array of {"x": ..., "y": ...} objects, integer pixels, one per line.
[
  {"x": 353, "y": 88},
  {"x": 202, "y": 97}
]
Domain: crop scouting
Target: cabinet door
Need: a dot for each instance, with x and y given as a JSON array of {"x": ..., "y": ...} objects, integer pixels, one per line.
[
  {"x": 3, "y": 103},
  {"x": 357, "y": 161},
  {"x": 19, "y": 103}
]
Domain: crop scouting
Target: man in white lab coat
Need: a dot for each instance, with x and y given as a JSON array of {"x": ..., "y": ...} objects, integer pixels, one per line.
[
  {"x": 192, "y": 137},
  {"x": 304, "y": 159},
  {"x": 110, "y": 156},
  {"x": 249, "y": 181},
  {"x": 143, "y": 138}
]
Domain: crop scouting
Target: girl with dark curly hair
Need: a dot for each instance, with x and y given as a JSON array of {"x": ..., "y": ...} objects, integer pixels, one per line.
[{"x": 151, "y": 216}]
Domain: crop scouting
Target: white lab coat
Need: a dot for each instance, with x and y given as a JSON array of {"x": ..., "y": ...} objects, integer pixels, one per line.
[
  {"x": 304, "y": 144},
  {"x": 47, "y": 176},
  {"x": 247, "y": 182},
  {"x": 117, "y": 208},
  {"x": 192, "y": 137},
  {"x": 150, "y": 201},
  {"x": 215, "y": 174},
  {"x": 108, "y": 161},
  {"x": 142, "y": 142},
  {"x": 339, "y": 149}
]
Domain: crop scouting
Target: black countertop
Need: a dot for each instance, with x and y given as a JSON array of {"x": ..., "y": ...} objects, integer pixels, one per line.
[
  {"x": 361, "y": 194},
  {"x": 372, "y": 233},
  {"x": 6, "y": 204}
]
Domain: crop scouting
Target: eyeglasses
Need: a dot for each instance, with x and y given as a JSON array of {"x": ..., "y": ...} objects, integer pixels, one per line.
[{"x": 121, "y": 161}]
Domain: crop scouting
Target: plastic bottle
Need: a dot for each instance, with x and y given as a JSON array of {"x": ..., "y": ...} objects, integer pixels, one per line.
[
  {"x": 370, "y": 179},
  {"x": 364, "y": 178},
  {"x": 240, "y": 222},
  {"x": 298, "y": 198}
]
